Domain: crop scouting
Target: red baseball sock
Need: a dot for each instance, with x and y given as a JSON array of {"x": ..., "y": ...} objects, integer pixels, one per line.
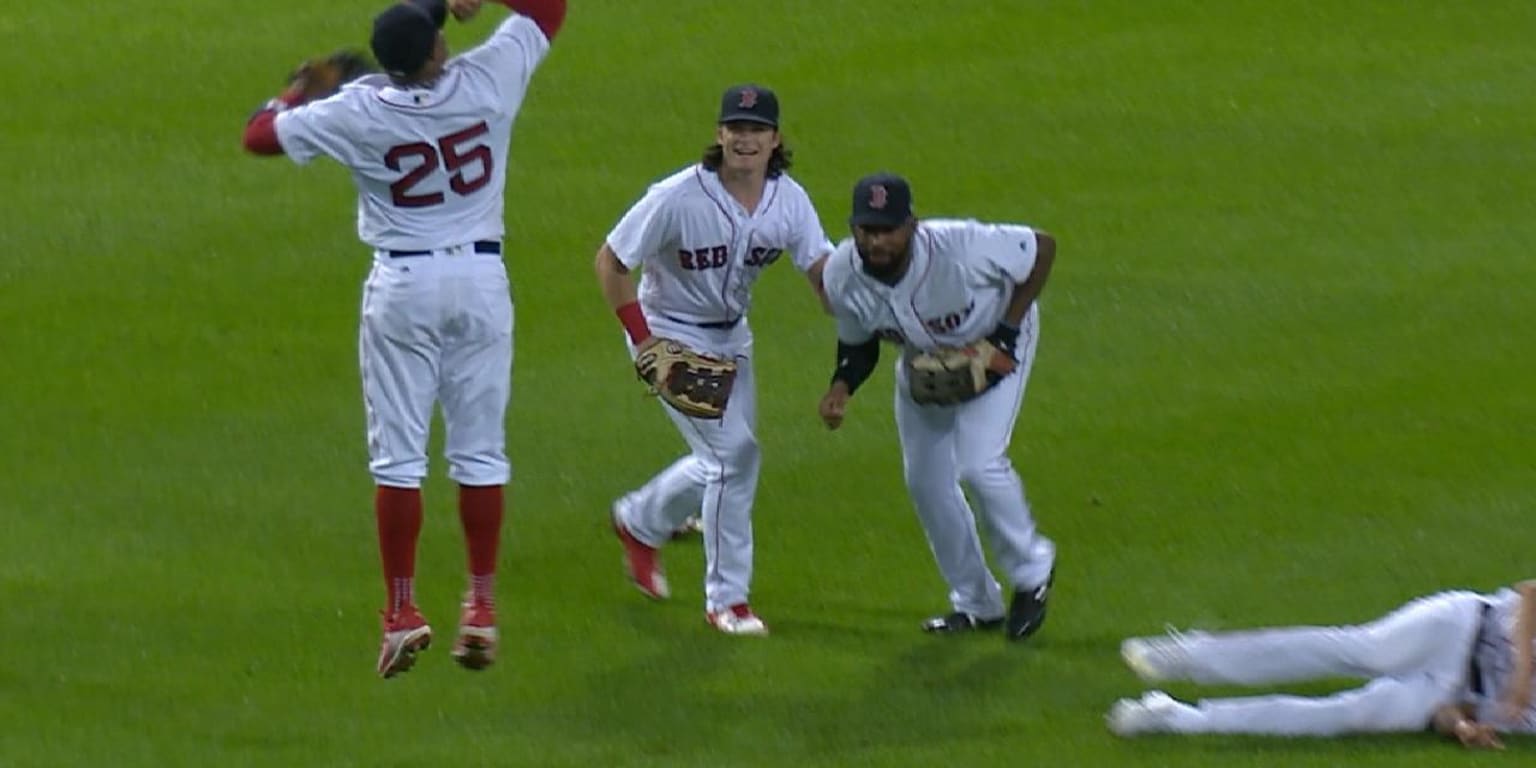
[
  {"x": 398, "y": 511},
  {"x": 480, "y": 510}
]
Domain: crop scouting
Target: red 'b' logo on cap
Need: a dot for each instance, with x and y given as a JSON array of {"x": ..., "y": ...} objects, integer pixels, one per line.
[
  {"x": 877, "y": 196},
  {"x": 748, "y": 98}
]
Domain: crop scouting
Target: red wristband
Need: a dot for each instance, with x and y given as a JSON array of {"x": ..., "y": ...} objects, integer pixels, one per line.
[{"x": 634, "y": 322}]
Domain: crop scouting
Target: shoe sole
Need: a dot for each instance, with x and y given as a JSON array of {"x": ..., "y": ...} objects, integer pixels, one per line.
[
  {"x": 476, "y": 648},
  {"x": 1023, "y": 633},
  {"x": 1135, "y": 658},
  {"x": 1149, "y": 714},
  {"x": 1122, "y": 718},
  {"x": 974, "y": 629},
  {"x": 737, "y": 633},
  {"x": 1038, "y": 621},
  {"x": 405, "y": 655}
]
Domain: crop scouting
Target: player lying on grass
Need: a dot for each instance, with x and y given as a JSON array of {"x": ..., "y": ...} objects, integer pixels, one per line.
[{"x": 1458, "y": 662}]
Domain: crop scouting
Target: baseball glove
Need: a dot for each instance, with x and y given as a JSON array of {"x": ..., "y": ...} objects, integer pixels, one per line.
[
  {"x": 951, "y": 375},
  {"x": 322, "y": 76},
  {"x": 696, "y": 385}
]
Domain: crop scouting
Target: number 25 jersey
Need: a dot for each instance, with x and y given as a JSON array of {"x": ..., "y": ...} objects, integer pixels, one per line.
[{"x": 430, "y": 163}]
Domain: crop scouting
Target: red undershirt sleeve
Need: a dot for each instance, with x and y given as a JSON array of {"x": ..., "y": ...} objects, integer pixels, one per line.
[
  {"x": 548, "y": 14},
  {"x": 260, "y": 136}
]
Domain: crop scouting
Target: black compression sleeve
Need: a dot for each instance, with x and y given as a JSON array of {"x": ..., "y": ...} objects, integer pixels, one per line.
[{"x": 855, "y": 362}]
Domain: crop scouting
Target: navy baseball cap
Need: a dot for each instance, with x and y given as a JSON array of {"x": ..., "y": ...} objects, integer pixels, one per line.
[
  {"x": 751, "y": 104},
  {"x": 881, "y": 200},
  {"x": 404, "y": 35}
]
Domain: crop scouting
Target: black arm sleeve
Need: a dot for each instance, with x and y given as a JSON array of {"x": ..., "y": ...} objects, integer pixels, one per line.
[{"x": 855, "y": 362}]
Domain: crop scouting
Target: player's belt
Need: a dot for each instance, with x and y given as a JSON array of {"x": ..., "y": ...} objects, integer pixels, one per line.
[
  {"x": 481, "y": 246},
  {"x": 718, "y": 325},
  {"x": 1474, "y": 669}
]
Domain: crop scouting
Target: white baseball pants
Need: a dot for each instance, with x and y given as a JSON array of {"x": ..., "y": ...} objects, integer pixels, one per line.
[
  {"x": 437, "y": 329},
  {"x": 945, "y": 446},
  {"x": 717, "y": 480},
  {"x": 1417, "y": 656}
]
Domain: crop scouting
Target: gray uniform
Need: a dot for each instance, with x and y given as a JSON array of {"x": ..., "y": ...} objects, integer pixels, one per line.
[{"x": 1447, "y": 648}]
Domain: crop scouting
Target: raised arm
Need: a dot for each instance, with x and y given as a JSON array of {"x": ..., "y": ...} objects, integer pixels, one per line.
[
  {"x": 318, "y": 78},
  {"x": 548, "y": 14},
  {"x": 260, "y": 137}
]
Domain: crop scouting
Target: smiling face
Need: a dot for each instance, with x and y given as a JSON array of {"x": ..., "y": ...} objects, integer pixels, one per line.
[{"x": 746, "y": 146}]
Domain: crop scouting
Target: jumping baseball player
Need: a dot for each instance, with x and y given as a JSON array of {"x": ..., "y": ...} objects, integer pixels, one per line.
[
  {"x": 967, "y": 289},
  {"x": 702, "y": 237},
  {"x": 1459, "y": 662},
  {"x": 427, "y": 147}
]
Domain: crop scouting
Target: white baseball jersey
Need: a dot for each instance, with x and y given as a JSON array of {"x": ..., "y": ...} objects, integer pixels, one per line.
[
  {"x": 702, "y": 251},
  {"x": 429, "y": 163},
  {"x": 956, "y": 289}
]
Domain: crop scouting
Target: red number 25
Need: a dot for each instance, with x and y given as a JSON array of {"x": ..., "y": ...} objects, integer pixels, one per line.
[{"x": 451, "y": 153}]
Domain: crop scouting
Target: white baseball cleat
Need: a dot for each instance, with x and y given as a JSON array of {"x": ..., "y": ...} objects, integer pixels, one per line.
[
  {"x": 737, "y": 620},
  {"x": 1152, "y": 713},
  {"x": 1156, "y": 659},
  {"x": 406, "y": 633},
  {"x": 475, "y": 647}
]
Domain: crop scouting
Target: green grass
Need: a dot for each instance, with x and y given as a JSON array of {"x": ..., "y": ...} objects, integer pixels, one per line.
[{"x": 1285, "y": 376}]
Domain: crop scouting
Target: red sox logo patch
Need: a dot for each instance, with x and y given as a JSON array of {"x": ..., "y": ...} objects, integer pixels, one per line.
[
  {"x": 877, "y": 196},
  {"x": 748, "y": 98}
]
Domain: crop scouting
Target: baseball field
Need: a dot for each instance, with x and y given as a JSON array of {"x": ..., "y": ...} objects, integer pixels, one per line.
[{"x": 1285, "y": 375}]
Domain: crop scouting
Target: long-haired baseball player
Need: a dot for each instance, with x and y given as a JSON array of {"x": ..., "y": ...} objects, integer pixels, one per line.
[
  {"x": 702, "y": 237},
  {"x": 427, "y": 147},
  {"x": 1458, "y": 662},
  {"x": 959, "y": 298}
]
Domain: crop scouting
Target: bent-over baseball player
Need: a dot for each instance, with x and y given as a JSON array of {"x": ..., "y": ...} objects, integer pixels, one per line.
[
  {"x": 959, "y": 298},
  {"x": 1459, "y": 662},
  {"x": 426, "y": 143},
  {"x": 702, "y": 237}
]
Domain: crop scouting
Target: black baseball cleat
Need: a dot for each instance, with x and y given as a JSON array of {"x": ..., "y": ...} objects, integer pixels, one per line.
[
  {"x": 1026, "y": 613},
  {"x": 959, "y": 621}
]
